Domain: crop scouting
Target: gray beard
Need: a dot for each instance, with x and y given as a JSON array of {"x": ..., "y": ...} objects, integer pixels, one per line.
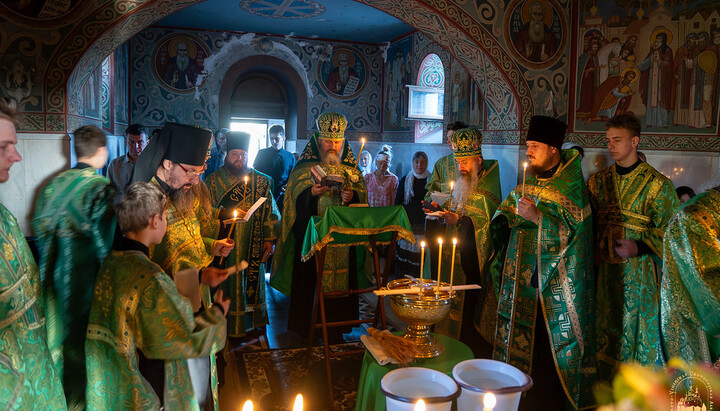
[
  {"x": 182, "y": 62},
  {"x": 465, "y": 187},
  {"x": 330, "y": 159},
  {"x": 536, "y": 32}
]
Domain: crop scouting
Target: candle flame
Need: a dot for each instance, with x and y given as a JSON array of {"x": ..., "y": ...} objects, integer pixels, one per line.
[
  {"x": 248, "y": 406},
  {"x": 452, "y": 185},
  {"x": 246, "y": 178},
  {"x": 489, "y": 400},
  {"x": 363, "y": 140},
  {"x": 298, "y": 403},
  {"x": 524, "y": 165},
  {"x": 422, "y": 244},
  {"x": 440, "y": 240},
  {"x": 454, "y": 241},
  {"x": 420, "y": 405},
  {"x": 234, "y": 213}
]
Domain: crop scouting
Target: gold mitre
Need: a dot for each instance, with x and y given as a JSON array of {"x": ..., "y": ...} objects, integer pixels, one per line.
[
  {"x": 332, "y": 126},
  {"x": 467, "y": 142}
]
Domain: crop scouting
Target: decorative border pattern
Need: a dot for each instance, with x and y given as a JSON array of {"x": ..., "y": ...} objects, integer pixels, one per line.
[{"x": 297, "y": 9}]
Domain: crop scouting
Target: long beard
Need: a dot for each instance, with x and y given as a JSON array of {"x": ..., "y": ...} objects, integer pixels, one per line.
[
  {"x": 332, "y": 159},
  {"x": 182, "y": 199},
  {"x": 536, "y": 32},
  {"x": 183, "y": 62},
  {"x": 465, "y": 187},
  {"x": 236, "y": 171}
]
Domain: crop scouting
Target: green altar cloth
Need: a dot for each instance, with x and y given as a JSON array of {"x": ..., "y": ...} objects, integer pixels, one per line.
[
  {"x": 350, "y": 226},
  {"x": 370, "y": 398}
]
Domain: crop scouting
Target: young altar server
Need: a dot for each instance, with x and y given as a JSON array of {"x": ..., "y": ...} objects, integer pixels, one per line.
[{"x": 141, "y": 330}]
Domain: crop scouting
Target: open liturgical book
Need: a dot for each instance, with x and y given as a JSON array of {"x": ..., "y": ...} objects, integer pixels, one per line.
[
  {"x": 334, "y": 181},
  {"x": 243, "y": 216}
]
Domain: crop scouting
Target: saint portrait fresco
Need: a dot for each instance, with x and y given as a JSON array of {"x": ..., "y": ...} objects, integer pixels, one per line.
[
  {"x": 178, "y": 60},
  {"x": 535, "y": 32},
  {"x": 663, "y": 68},
  {"x": 344, "y": 76}
]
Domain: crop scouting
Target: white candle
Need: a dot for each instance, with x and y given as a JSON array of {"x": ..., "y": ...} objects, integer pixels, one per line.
[
  {"x": 245, "y": 191},
  {"x": 452, "y": 263},
  {"x": 489, "y": 402},
  {"x": 422, "y": 264},
  {"x": 524, "y": 170},
  {"x": 452, "y": 186},
  {"x": 420, "y": 405},
  {"x": 439, "y": 265},
  {"x": 231, "y": 229},
  {"x": 298, "y": 406},
  {"x": 248, "y": 406}
]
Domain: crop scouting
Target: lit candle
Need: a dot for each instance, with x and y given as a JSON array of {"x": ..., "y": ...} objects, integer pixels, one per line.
[
  {"x": 452, "y": 186},
  {"x": 452, "y": 264},
  {"x": 422, "y": 264},
  {"x": 298, "y": 406},
  {"x": 420, "y": 405},
  {"x": 245, "y": 190},
  {"x": 248, "y": 406},
  {"x": 524, "y": 170},
  {"x": 437, "y": 291},
  {"x": 362, "y": 145},
  {"x": 489, "y": 402},
  {"x": 234, "y": 219}
]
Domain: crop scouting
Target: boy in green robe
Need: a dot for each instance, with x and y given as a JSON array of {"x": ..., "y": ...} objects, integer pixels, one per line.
[
  {"x": 476, "y": 197},
  {"x": 542, "y": 269},
  {"x": 236, "y": 185},
  {"x": 690, "y": 293},
  {"x": 633, "y": 204},
  {"x": 141, "y": 330},
  {"x": 28, "y": 377},
  {"x": 74, "y": 223}
]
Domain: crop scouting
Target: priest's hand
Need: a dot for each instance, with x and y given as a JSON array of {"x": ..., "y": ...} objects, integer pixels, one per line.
[
  {"x": 223, "y": 247},
  {"x": 222, "y": 302},
  {"x": 347, "y": 196},
  {"x": 528, "y": 210},
  {"x": 318, "y": 189},
  {"x": 213, "y": 276},
  {"x": 450, "y": 218},
  {"x": 268, "y": 250},
  {"x": 626, "y": 248}
]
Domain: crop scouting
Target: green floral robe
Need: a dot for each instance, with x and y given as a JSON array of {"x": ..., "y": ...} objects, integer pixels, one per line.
[
  {"x": 248, "y": 308},
  {"x": 74, "y": 223},
  {"x": 137, "y": 307},
  {"x": 561, "y": 249},
  {"x": 481, "y": 207},
  {"x": 444, "y": 171},
  {"x": 636, "y": 206},
  {"x": 28, "y": 377},
  {"x": 189, "y": 242},
  {"x": 690, "y": 294},
  {"x": 335, "y": 271}
]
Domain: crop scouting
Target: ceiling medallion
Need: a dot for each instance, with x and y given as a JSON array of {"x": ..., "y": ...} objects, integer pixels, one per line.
[{"x": 283, "y": 9}]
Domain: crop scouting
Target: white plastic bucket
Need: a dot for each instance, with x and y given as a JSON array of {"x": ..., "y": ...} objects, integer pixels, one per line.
[
  {"x": 403, "y": 387},
  {"x": 479, "y": 376}
]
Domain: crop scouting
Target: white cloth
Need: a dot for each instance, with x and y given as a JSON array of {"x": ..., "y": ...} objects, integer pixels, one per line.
[
  {"x": 409, "y": 180},
  {"x": 200, "y": 377}
]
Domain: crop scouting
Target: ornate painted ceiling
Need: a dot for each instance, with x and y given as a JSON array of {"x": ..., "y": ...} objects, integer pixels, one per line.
[{"x": 345, "y": 20}]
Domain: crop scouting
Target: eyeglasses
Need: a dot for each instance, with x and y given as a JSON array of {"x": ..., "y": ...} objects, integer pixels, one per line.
[{"x": 192, "y": 173}]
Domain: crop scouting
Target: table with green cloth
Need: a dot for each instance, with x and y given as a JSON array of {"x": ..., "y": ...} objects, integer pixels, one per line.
[
  {"x": 370, "y": 398},
  {"x": 354, "y": 226}
]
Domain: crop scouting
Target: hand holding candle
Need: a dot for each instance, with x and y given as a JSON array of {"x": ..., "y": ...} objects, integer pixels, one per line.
[
  {"x": 437, "y": 291},
  {"x": 524, "y": 170},
  {"x": 234, "y": 219},
  {"x": 452, "y": 263}
]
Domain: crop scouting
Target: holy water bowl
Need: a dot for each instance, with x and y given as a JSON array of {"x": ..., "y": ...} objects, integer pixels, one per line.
[
  {"x": 478, "y": 377},
  {"x": 403, "y": 387}
]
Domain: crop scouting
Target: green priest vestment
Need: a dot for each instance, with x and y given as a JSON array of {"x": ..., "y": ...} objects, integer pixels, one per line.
[
  {"x": 137, "y": 307},
  {"x": 189, "y": 242},
  {"x": 480, "y": 208},
  {"x": 690, "y": 295},
  {"x": 444, "y": 171},
  {"x": 74, "y": 223},
  {"x": 28, "y": 377},
  {"x": 635, "y": 206},
  {"x": 560, "y": 249},
  {"x": 248, "y": 308}
]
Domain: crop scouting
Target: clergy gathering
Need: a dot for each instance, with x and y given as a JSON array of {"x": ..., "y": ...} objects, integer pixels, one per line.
[{"x": 359, "y": 205}]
